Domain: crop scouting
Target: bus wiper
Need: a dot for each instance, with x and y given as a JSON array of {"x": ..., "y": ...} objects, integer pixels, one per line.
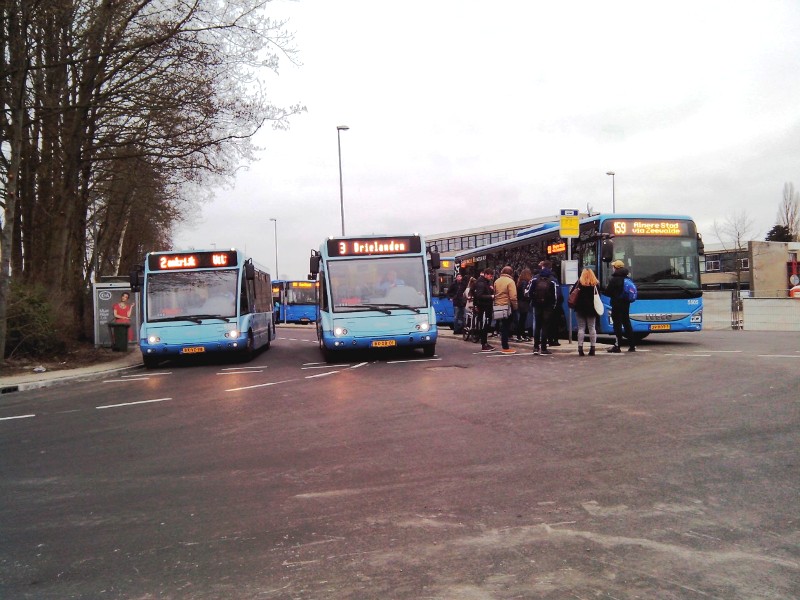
[
  {"x": 220, "y": 317},
  {"x": 191, "y": 318},
  {"x": 416, "y": 310},
  {"x": 365, "y": 307}
]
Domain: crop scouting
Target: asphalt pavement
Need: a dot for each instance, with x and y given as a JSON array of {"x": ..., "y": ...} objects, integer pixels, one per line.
[{"x": 133, "y": 359}]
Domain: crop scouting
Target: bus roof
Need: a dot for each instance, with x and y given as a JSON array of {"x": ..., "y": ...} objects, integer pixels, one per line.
[{"x": 525, "y": 236}]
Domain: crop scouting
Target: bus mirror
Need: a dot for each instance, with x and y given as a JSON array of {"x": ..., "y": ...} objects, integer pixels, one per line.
[
  {"x": 314, "y": 267},
  {"x": 250, "y": 271},
  {"x": 701, "y": 249},
  {"x": 435, "y": 263},
  {"x": 312, "y": 276},
  {"x": 607, "y": 250}
]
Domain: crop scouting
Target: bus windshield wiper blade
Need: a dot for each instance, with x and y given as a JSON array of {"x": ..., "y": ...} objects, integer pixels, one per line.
[
  {"x": 191, "y": 318},
  {"x": 416, "y": 310},
  {"x": 220, "y": 317},
  {"x": 365, "y": 307}
]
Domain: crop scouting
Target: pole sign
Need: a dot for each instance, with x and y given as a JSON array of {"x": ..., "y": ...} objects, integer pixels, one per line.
[{"x": 570, "y": 223}]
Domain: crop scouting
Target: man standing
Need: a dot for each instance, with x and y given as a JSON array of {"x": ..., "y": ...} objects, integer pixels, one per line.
[
  {"x": 483, "y": 297},
  {"x": 456, "y": 293},
  {"x": 620, "y": 307},
  {"x": 544, "y": 296}
]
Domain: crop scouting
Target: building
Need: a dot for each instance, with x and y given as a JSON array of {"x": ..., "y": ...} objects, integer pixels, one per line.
[{"x": 451, "y": 242}]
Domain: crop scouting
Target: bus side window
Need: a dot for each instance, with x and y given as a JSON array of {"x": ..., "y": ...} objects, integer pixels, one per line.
[
  {"x": 244, "y": 304},
  {"x": 323, "y": 291}
]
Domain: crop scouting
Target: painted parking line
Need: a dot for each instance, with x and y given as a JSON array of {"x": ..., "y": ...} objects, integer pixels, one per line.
[
  {"x": 132, "y": 403},
  {"x": 779, "y": 355},
  {"x": 411, "y": 360},
  {"x": 259, "y": 385},
  {"x": 240, "y": 372},
  {"x": 17, "y": 417},
  {"x": 240, "y": 368}
]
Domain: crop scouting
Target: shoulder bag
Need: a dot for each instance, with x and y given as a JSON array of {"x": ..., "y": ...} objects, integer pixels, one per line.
[
  {"x": 501, "y": 311},
  {"x": 598, "y": 303}
]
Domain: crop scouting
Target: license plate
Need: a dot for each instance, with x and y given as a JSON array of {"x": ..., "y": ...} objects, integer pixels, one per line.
[
  {"x": 664, "y": 327},
  {"x": 193, "y": 350},
  {"x": 383, "y": 343}
]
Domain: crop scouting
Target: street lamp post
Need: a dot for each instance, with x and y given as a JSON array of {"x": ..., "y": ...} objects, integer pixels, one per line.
[
  {"x": 276, "y": 246},
  {"x": 613, "y": 192},
  {"x": 339, "y": 129}
]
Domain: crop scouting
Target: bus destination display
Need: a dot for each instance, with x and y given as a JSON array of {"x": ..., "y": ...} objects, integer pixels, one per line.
[
  {"x": 373, "y": 246},
  {"x": 191, "y": 260},
  {"x": 647, "y": 227}
]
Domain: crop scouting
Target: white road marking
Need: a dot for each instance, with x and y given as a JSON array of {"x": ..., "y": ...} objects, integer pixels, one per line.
[
  {"x": 132, "y": 403},
  {"x": 778, "y": 356},
  {"x": 359, "y": 365},
  {"x": 17, "y": 417},
  {"x": 259, "y": 385},
  {"x": 321, "y": 374},
  {"x": 139, "y": 378},
  {"x": 411, "y": 360},
  {"x": 240, "y": 372},
  {"x": 239, "y": 368},
  {"x": 325, "y": 367},
  {"x": 139, "y": 375}
]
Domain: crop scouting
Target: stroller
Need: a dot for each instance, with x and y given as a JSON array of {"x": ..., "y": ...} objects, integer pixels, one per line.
[{"x": 472, "y": 324}]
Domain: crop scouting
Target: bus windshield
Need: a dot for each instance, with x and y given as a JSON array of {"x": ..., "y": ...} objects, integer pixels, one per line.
[
  {"x": 301, "y": 295},
  {"x": 379, "y": 284},
  {"x": 194, "y": 294},
  {"x": 658, "y": 263}
]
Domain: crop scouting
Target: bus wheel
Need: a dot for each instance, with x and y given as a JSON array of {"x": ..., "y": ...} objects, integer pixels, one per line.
[
  {"x": 150, "y": 362},
  {"x": 326, "y": 354},
  {"x": 429, "y": 350},
  {"x": 247, "y": 353}
]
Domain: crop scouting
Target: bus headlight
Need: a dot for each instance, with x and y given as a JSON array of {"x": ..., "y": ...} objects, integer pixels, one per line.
[
  {"x": 233, "y": 333},
  {"x": 423, "y": 326},
  {"x": 339, "y": 331},
  {"x": 153, "y": 339}
]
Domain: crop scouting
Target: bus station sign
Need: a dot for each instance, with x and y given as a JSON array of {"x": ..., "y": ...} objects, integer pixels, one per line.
[{"x": 570, "y": 223}]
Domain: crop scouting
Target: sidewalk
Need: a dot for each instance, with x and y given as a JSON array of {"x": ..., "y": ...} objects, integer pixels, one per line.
[{"x": 29, "y": 381}]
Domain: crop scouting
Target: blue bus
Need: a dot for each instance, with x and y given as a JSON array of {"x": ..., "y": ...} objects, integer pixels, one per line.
[
  {"x": 202, "y": 301},
  {"x": 441, "y": 280},
  {"x": 662, "y": 253},
  {"x": 295, "y": 301},
  {"x": 374, "y": 293}
]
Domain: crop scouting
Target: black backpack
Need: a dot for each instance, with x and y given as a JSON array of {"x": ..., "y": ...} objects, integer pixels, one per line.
[{"x": 542, "y": 292}]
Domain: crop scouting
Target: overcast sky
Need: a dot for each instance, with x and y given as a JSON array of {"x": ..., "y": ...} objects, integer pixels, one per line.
[{"x": 464, "y": 114}]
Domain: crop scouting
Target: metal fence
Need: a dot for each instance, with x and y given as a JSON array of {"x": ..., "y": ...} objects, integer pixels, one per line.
[{"x": 727, "y": 310}]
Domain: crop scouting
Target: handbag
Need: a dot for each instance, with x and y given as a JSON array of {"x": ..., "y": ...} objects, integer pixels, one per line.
[
  {"x": 501, "y": 311},
  {"x": 572, "y": 299},
  {"x": 598, "y": 303}
]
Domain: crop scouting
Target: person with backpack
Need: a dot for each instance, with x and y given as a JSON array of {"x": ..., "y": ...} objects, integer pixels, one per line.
[
  {"x": 621, "y": 305},
  {"x": 483, "y": 296},
  {"x": 543, "y": 293},
  {"x": 585, "y": 313}
]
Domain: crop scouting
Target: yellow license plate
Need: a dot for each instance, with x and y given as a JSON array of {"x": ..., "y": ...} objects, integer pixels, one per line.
[
  {"x": 383, "y": 343},
  {"x": 664, "y": 327},
  {"x": 194, "y": 350}
]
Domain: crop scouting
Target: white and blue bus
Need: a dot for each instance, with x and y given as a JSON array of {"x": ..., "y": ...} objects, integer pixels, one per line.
[
  {"x": 661, "y": 252},
  {"x": 295, "y": 301},
  {"x": 202, "y": 301},
  {"x": 374, "y": 293}
]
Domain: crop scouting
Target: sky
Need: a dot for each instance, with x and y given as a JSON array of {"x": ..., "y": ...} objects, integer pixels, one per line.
[{"x": 465, "y": 114}]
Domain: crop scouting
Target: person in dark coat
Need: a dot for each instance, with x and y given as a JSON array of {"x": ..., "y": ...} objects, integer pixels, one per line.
[
  {"x": 620, "y": 307},
  {"x": 483, "y": 296},
  {"x": 456, "y": 293},
  {"x": 544, "y": 305}
]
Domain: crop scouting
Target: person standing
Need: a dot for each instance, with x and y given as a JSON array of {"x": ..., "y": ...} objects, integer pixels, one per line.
[
  {"x": 505, "y": 294},
  {"x": 620, "y": 307},
  {"x": 523, "y": 305},
  {"x": 584, "y": 310},
  {"x": 456, "y": 293},
  {"x": 483, "y": 296},
  {"x": 544, "y": 296}
]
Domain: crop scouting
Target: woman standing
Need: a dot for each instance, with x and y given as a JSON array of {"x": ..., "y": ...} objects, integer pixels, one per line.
[
  {"x": 122, "y": 313},
  {"x": 584, "y": 309}
]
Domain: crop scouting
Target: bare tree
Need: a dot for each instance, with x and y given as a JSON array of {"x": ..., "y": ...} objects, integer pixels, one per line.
[
  {"x": 734, "y": 233},
  {"x": 789, "y": 211}
]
